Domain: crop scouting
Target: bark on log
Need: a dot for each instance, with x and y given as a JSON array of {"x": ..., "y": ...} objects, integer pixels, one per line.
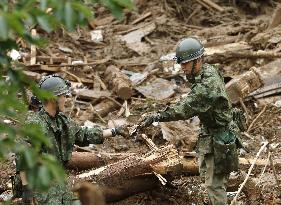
[
  {"x": 148, "y": 182},
  {"x": 88, "y": 160},
  {"x": 130, "y": 187},
  {"x": 134, "y": 165},
  {"x": 105, "y": 107},
  {"x": 242, "y": 86},
  {"x": 32, "y": 75},
  {"x": 119, "y": 82},
  {"x": 230, "y": 55},
  {"x": 48, "y": 59}
]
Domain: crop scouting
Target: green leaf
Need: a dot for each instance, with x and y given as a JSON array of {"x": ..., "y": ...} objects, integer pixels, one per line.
[
  {"x": 44, "y": 176},
  {"x": 83, "y": 9},
  {"x": 28, "y": 158},
  {"x": 4, "y": 30},
  {"x": 15, "y": 24},
  {"x": 125, "y": 3},
  {"x": 44, "y": 22},
  {"x": 43, "y": 4},
  {"x": 69, "y": 16}
]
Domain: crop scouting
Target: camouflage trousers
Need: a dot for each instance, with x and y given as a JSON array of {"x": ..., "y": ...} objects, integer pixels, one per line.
[
  {"x": 214, "y": 183},
  {"x": 57, "y": 195}
]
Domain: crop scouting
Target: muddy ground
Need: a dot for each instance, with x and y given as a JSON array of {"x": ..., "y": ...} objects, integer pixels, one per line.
[{"x": 239, "y": 21}]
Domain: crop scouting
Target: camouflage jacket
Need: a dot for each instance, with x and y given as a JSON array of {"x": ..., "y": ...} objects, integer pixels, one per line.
[
  {"x": 64, "y": 133},
  {"x": 208, "y": 100}
]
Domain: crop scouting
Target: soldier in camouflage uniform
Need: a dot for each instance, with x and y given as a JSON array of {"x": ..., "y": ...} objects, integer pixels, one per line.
[
  {"x": 208, "y": 100},
  {"x": 63, "y": 134}
]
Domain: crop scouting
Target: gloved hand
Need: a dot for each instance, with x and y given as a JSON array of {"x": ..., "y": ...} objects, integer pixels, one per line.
[
  {"x": 148, "y": 120},
  {"x": 120, "y": 130},
  {"x": 27, "y": 195}
]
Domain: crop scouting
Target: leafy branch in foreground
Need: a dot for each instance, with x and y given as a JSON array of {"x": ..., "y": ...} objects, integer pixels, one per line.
[{"x": 17, "y": 18}]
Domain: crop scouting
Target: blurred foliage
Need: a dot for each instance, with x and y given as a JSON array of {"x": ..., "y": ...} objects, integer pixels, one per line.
[{"x": 17, "y": 18}]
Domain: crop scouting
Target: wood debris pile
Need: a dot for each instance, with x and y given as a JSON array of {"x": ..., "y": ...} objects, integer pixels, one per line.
[{"x": 120, "y": 70}]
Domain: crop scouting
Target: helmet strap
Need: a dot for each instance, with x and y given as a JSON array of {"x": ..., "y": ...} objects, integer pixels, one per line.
[
  {"x": 57, "y": 107},
  {"x": 191, "y": 76}
]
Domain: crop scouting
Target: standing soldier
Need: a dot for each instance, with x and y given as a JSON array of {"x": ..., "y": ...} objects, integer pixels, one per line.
[
  {"x": 217, "y": 142},
  {"x": 63, "y": 134}
]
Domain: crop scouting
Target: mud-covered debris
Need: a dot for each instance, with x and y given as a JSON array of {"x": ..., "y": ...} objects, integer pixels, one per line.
[
  {"x": 278, "y": 103},
  {"x": 6, "y": 196},
  {"x": 158, "y": 89},
  {"x": 181, "y": 131},
  {"x": 134, "y": 38},
  {"x": 65, "y": 49},
  {"x": 91, "y": 94},
  {"x": 96, "y": 36}
]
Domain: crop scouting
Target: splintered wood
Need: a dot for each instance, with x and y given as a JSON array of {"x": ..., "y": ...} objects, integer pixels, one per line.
[{"x": 133, "y": 166}]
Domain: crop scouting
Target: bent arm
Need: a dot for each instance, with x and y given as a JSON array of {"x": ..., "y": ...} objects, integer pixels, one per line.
[{"x": 190, "y": 106}]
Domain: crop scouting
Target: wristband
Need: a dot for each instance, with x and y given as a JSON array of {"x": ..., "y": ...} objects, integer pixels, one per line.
[{"x": 113, "y": 132}]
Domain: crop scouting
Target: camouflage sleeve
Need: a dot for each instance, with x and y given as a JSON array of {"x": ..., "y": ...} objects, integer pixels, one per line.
[
  {"x": 196, "y": 102},
  {"x": 85, "y": 136},
  {"x": 31, "y": 120}
]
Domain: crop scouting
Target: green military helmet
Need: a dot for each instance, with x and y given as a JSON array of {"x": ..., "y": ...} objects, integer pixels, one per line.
[
  {"x": 189, "y": 49},
  {"x": 55, "y": 84}
]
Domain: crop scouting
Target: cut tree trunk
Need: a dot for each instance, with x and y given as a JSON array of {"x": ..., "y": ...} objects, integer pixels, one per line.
[
  {"x": 119, "y": 82},
  {"x": 105, "y": 107},
  {"x": 88, "y": 160},
  {"x": 240, "y": 87},
  {"x": 161, "y": 160}
]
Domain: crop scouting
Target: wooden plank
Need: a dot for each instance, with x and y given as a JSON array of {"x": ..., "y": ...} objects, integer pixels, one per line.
[
  {"x": 213, "y": 5},
  {"x": 32, "y": 75},
  {"x": 141, "y": 18},
  {"x": 33, "y": 49},
  {"x": 39, "y": 67}
]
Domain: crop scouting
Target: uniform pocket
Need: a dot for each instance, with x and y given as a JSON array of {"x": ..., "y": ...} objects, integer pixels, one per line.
[
  {"x": 205, "y": 144},
  {"x": 225, "y": 157}
]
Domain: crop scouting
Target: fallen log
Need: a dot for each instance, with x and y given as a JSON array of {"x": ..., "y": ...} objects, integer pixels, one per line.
[
  {"x": 104, "y": 107},
  {"x": 229, "y": 55},
  {"x": 148, "y": 182},
  {"x": 142, "y": 183},
  {"x": 88, "y": 94},
  {"x": 130, "y": 187},
  {"x": 240, "y": 87},
  {"x": 119, "y": 82},
  {"x": 87, "y": 160},
  {"x": 165, "y": 157}
]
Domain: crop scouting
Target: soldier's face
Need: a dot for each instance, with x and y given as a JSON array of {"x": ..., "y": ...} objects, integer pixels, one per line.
[
  {"x": 61, "y": 102},
  {"x": 187, "y": 67}
]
